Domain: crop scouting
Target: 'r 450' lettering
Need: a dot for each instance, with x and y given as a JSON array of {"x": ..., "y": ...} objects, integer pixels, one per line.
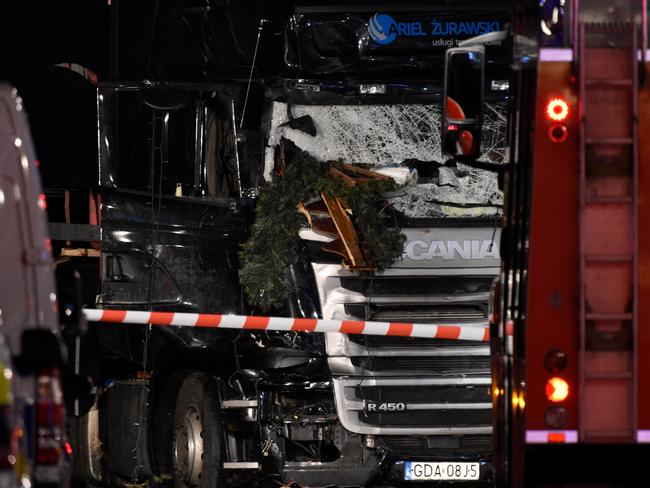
[{"x": 385, "y": 407}]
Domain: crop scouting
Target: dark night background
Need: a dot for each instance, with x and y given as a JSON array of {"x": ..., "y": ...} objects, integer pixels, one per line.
[
  {"x": 34, "y": 36},
  {"x": 156, "y": 39},
  {"x": 39, "y": 34}
]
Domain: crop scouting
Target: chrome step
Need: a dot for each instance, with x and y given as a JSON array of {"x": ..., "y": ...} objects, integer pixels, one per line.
[
  {"x": 239, "y": 404},
  {"x": 241, "y": 465}
]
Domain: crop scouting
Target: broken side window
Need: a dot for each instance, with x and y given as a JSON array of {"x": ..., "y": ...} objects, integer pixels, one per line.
[
  {"x": 221, "y": 165},
  {"x": 150, "y": 142},
  {"x": 171, "y": 142}
]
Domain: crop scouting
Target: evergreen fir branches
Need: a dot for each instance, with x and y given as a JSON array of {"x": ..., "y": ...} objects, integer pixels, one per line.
[{"x": 274, "y": 241}]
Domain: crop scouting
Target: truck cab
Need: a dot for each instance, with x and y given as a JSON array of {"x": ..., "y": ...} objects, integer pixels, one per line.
[{"x": 180, "y": 168}]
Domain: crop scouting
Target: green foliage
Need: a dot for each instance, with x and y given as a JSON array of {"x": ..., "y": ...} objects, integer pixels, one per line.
[{"x": 273, "y": 244}]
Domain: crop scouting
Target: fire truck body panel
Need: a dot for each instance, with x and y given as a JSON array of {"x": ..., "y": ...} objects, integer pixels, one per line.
[
  {"x": 643, "y": 337},
  {"x": 586, "y": 333},
  {"x": 553, "y": 296}
]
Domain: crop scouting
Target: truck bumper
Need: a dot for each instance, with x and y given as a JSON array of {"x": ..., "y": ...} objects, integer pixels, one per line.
[
  {"x": 359, "y": 466},
  {"x": 386, "y": 473}
]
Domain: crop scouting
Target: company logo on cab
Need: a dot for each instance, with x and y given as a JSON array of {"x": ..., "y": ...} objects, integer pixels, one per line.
[
  {"x": 384, "y": 29},
  {"x": 418, "y": 250}
]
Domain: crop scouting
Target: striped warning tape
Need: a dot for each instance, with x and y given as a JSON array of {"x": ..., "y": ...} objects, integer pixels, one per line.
[{"x": 467, "y": 332}]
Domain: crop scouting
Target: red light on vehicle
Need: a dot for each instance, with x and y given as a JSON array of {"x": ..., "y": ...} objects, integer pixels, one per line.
[
  {"x": 557, "y": 109},
  {"x": 50, "y": 427},
  {"x": 556, "y": 437},
  {"x": 557, "y": 389},
  {"x": 556, "y": 416},
  {"x": 558, "y": 133},
  {"x": 42, "y": 201},
  {"x": 555, "y": 361}
]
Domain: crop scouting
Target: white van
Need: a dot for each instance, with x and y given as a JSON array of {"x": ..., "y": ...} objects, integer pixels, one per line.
[{"x": 33, "y": 447}]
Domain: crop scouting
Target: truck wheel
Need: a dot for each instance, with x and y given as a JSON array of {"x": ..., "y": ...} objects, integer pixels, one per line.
[{"x": 197, "y": 444}]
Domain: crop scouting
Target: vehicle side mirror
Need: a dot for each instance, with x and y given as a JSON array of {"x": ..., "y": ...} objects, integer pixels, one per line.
[{"x": 462, "y": 102}]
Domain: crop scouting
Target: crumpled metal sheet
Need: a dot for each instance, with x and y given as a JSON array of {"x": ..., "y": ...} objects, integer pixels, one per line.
[{"x": 477, "y": 195}]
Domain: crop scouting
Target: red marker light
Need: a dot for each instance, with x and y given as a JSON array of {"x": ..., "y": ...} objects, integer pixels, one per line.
[
  {"x": 555, "y": 361},
  {"x": 556, "y": 437},
  {"x": 558, "y": 133},
  {"x": 556, "y": 416},
  {"x": 42, "y": 202},
  {"x": 557, "y": 109},
  {"x": 557, "y": 389}
]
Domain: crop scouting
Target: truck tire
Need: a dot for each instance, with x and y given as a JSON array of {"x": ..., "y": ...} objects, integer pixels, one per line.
[{"x": 196, "y": 436}]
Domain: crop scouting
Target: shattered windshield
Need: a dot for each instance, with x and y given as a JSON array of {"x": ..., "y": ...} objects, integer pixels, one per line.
[{"x": 402, "y": 141}]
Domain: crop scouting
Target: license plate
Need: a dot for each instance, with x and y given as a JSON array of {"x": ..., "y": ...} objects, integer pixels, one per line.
[{"x": 415, "y": 470}]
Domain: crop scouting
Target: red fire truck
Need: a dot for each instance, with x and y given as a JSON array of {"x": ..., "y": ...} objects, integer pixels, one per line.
[{"x": 576, "y": 283}]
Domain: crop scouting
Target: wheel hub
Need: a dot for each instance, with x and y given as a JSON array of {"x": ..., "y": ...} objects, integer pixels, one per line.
[{"x": 188, "y": 447}]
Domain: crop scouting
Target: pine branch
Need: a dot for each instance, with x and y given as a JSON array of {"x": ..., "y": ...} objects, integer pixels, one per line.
[{"x": 273, "y": 244}]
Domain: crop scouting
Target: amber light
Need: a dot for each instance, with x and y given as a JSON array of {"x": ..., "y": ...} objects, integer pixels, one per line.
[
  {"x": 557, "y": 109},
  {"x": 557, "y": 389}
]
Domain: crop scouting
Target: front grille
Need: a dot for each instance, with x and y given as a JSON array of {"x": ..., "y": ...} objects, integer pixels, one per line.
[
  {"x": 428, "y": 418},
  {"x": 418, "y": 313},
  {"x": 442, "y": 386},
  {"x": 424, "y": 394},
  {"x": 415, "y": 285},
  {"x": 421, "y": 406},
  {"x": 433, "y": 364},
  {"x": 389, "y": 342},
  {"x": 436, "y": 447}
]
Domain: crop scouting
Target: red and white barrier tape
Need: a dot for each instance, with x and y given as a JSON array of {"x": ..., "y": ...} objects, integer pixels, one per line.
[{"x": 468, "y": 332}]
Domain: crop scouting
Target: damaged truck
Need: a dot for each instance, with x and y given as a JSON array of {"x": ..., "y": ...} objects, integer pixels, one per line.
[{"x": 376, "y": 93}]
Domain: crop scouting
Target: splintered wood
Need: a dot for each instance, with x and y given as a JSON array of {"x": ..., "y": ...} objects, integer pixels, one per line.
[{"x": 332, "y": 217}]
